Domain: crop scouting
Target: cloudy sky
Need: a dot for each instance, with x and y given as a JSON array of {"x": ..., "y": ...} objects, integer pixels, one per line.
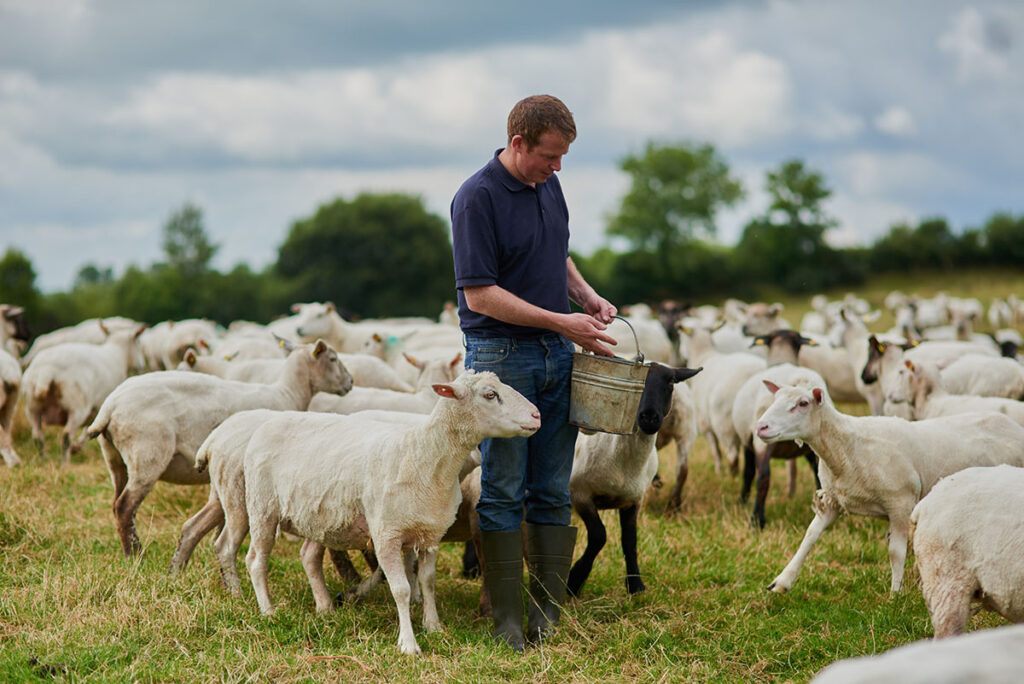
[{"x": 114, "y": 113}]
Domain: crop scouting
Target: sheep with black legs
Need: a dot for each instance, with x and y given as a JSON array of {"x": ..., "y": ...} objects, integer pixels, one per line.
[{"x": 614, "y": 471}]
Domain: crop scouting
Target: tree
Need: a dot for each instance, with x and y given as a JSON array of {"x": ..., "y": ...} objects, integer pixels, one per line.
[
  {"x": 378, "y": 255},
  {"x": 185, "y": 244},
  {"x": 18, "y": 280},
  {"x": 674, "y": 195},
  {"x": 1005, "y": 236},
  {"x": 786, "y": 245}
]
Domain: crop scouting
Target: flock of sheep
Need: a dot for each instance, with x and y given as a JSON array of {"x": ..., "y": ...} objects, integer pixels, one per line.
[{"x": 362, "y": 436}]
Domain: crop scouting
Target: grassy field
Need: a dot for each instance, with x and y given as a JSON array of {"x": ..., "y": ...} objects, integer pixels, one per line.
[{"x": 72, "y": 608}]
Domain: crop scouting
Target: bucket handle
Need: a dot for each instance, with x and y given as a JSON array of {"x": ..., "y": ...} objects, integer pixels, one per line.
[{"x": 639, "y": 358}]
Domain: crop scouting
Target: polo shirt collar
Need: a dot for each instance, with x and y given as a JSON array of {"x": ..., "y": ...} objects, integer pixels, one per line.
[{"x": 512, "y": 183}]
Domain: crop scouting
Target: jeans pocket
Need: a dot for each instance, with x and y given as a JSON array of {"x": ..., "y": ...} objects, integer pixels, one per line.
[{"x": 487, "y": 352}]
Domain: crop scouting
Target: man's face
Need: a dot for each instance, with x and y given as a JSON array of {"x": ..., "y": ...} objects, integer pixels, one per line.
[{"x": 536, "y": 164}]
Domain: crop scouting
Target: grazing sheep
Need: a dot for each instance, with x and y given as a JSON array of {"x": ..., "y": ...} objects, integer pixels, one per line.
[
  {"x": 614, "y": 471},
  {"x": 880, "y": 466},
  {"x": 89, "y": 331},
  {"x": 10, "y": 381},
  {"x": 988, "y": 656},
  {"x": 968, "y": 543},
  {"x": 150, "y": 427},
  {"x": 346, "y": 482},
  {"x": 66, "y": 383}
]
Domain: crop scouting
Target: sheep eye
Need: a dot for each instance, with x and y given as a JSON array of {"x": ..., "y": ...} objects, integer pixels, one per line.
[
  {"x": 490, "y": 395},
  {"x": 802, "y": 403}
]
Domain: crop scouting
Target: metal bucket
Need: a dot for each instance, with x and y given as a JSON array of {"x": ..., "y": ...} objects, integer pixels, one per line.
[{"x": 606, "y": 391}]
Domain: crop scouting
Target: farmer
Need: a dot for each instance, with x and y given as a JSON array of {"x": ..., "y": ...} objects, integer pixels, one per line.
[{"x": 510, "y": 236}]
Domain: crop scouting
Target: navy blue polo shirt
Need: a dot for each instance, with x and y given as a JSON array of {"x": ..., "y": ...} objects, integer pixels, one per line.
[{"x": 507, "y": 233}]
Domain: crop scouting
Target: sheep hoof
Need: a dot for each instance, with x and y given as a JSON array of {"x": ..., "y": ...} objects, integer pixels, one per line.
[{"x": 778, "y": 588}]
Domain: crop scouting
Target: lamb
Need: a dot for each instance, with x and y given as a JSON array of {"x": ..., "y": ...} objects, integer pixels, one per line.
[
  {"x": 919, "y": 384},
  {"x": 614, "y": 471},
  {"x": 150, "y": 427},
  {"x": 988, "y": 656},
  {"x": 66, "y": 383},
  {"x": 10, "y": 381},
  {"x": 370, "y": 398},
  {"x": 880, "y": 466},
  {"x": 347, "y": 482},
  {"x": 366, "y": 371},
  {"x": 968, "y": 543}
]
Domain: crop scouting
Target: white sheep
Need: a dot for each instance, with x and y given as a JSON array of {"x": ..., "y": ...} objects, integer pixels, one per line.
[
  {"x": 374, "y": 398},
  {"x": 919, "y": 384},
  {"x": 984, "y": 376},
  {"x": 66, "y": 383},
  {"x": 10, "y": 382},
  {"x": 14, "y": 331},
  {"x": 89, "y": 331},
  {"x": 346, "y": 482},
  {"x": 968, "y": 544},
  {"x": 366, "y": 371},
  {"x": 988, "y": 656},
  {"x": 880, "y": 466},
  {"x": 150, "y": 427}
]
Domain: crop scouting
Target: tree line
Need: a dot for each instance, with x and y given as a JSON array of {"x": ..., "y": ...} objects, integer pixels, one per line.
[{"x": 386, "y": 255}]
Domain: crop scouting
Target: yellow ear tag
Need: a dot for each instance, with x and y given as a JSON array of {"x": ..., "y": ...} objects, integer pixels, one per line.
[{"x": 280, "y": 344}]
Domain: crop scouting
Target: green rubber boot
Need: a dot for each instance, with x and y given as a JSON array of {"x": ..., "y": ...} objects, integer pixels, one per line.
[
  {"x": 548, "y": 557},
  {"x": 503, "y": 574}
]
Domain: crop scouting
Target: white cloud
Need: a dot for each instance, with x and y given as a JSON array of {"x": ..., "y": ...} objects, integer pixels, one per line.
[
  {"x": 896, "y": 121},
  {"x": 832, "y": 124},
  {"x": 966, "y": 40},
  {"x": 889, "y": 174}
]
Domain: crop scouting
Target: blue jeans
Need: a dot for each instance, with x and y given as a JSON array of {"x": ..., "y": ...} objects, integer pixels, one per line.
[{"x": 531, "y": 472}]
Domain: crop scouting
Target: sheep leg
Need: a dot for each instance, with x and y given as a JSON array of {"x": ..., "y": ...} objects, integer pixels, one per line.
[
  {"x": 115, "y": 465},
  {"x": 125, "y": 506},
  {"x": 343, "y": 564},
  {"x": 390, "y": 558},
  {"x": 236, "y": 526},
  {"x": 195, "y": 528},
  {"x": 899, "y": 532},
  {"x": 791, "y": 475},
  {"x": 7, "y": 449},
  {"x": 764, "y": 481},
  {"x": 825, "y": 513},
  {"x": 627, "y": 522},
  {"x": 35, "y": 419},
  {"x": 596, "y": 539},
  {"x": 484, "y": 605},
  {"x": 716, "y": 453},
  {"x": 312, "y": 555},
  {"x": 427, "y": 577},
  {"x": 749, "y": 468},
  {"x": 367, "y": 585},
  {"x": 262, "y": 536},
  {"x": 73, "y": 425},
  {"x": 675, "y": 499},
  {"x": 409, "y": 558},
  {"x": 947, "y": 594}
]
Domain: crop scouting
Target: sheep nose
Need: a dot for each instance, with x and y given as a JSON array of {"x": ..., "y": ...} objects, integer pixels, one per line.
[{"x": 535, "y": 415}]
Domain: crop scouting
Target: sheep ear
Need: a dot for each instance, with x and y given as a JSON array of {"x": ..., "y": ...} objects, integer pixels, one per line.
[
  {"x": 296, "y": 308},
  {"x": 455, "y": 361},
  {"x": 819, "y": 395},
  {"x": 808, "y": 341},
  {"x": 772, "y": 387},
  {"x": 910, "y": 364},
  {"x": 686, "y": 373},
  {"x": 190, "y": 356},
  {"x": 203, "y": 343},
  {"x": 319, "y": 348},
  {"x": 447, "y": 391},
  {"x": 142, "y": 328},
  {"x": 14, "y": 311},
  {"x": 377, "y": 338},
  {"x": 104, "y": 328},
  {"x": 413, "y": 360}
]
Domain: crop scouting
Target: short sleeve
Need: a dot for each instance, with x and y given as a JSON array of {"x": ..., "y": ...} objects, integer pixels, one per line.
[{"x": 474, "y": 246}]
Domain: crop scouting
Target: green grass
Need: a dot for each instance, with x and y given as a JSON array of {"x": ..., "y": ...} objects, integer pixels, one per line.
[{"x": 72, "y": 607}]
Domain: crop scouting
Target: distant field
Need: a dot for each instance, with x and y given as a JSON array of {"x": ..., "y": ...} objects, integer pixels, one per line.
[{"x": 72, "y": 607}]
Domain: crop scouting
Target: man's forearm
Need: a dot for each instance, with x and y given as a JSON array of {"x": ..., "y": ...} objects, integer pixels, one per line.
[{"x": 499, "y": 303}]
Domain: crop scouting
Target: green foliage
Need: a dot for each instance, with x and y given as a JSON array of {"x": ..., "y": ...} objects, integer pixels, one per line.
[
  {"x": 378, "y": 255},
  {"x": 185, "y": 244},
  {"x": 786, "y": 245},
  {"x": 1005, "y": 236},
  {"x": 17, "y": 280},
  {"x": 674, "y": 196}
]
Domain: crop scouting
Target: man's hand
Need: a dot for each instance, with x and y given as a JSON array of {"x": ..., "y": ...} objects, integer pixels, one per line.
[
  {"x": 586, "y": 331},
  {"x": 601, "y": 309}
]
